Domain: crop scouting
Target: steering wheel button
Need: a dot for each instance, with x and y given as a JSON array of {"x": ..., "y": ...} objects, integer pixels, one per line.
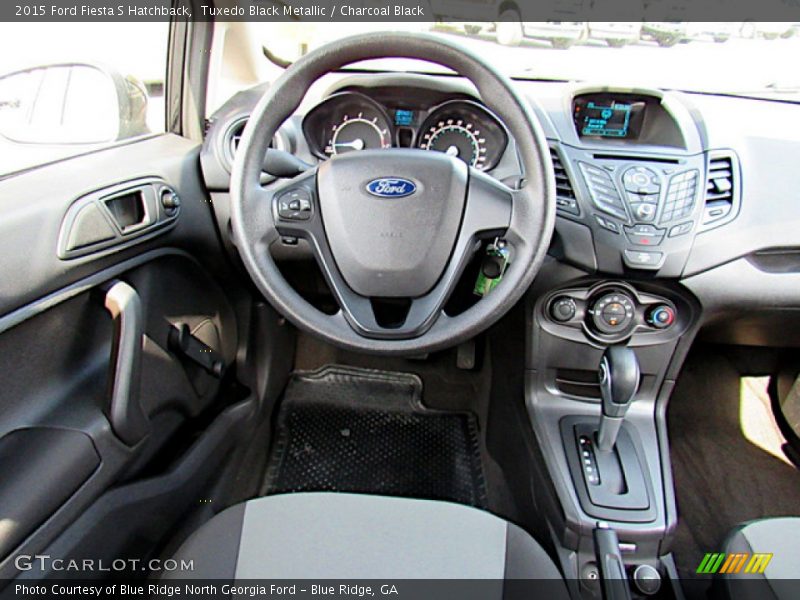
[{"x": 294, "y": 205}]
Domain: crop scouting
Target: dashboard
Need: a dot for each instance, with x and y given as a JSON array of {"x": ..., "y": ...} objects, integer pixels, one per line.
[{"x": 649, "y": 183}]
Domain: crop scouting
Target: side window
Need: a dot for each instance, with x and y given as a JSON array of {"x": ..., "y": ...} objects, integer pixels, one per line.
[{"x": 77, "y": 88}]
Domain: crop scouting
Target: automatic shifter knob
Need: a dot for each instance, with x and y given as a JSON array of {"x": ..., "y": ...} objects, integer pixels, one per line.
[{"x": 619, "y": 382}]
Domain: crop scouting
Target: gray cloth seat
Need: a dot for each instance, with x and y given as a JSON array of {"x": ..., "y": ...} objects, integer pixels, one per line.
[
  {"x": 353, "y": 536},
  {"x": 778, "y": 536}
]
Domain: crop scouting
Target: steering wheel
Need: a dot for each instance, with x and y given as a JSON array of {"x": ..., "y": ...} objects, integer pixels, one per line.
[{"x": 399, "y": 224}]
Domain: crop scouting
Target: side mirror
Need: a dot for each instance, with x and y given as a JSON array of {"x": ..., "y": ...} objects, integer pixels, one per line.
[{"x": 73, "y": 103}]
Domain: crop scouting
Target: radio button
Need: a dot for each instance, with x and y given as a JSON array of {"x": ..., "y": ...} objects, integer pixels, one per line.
[
  {"x": 645, "y": 235},
  {"x": 681, "y": 195},
  {"x": 602, "y": 190},
  {"x": 644, "y": 211},
  {"x": 634, "y": 197},
  {"x": 641, "y": 180},
  {"x": 607, "y": 224},
  {"x": 640, "y": 259},
  {"x": 681, "y": 229}
]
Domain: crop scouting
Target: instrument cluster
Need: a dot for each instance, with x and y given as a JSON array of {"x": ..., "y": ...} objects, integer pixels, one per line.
[{"x": 351, "y": 121}]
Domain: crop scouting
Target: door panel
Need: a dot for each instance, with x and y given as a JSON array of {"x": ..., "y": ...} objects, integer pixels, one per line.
[
  {"x": 74, "y": 357},
  {"x": 56, "y": 463},
  {"x": 34, "y": 204}
]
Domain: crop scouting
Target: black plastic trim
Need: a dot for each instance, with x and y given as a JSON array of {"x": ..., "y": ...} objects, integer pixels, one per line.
[{"x": 23, "y": 313}]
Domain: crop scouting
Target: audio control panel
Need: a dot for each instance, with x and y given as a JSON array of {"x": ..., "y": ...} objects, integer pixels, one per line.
[
  {"x": 647, "y": 202},
  {"x": 611, "y": 312},
  {"x": 642, "y": 209}
]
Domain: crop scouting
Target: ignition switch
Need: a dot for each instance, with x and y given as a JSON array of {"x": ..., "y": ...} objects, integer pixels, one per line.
[{"x": 494, "y": 265}]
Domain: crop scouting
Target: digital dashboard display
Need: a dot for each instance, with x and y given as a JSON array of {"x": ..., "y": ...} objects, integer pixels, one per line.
[
  {"x": 610, "y": 115},
  {"x": 605, "y": 119},
  {"x": 403, "y": 117}
]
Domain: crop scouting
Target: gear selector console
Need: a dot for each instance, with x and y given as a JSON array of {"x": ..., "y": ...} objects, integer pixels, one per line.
[{"x": 604, "y": 458}]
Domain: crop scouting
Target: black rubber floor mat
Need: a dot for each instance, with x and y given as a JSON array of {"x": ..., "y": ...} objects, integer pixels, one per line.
[{"x": 356, "y": 430}]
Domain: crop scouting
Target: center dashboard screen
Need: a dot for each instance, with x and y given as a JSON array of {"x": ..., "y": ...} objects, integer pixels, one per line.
[
  {"x": 608, "y": 116},
  {"x": 607, "y": 120}
]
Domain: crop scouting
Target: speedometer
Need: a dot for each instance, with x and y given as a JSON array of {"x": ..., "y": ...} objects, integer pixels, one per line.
[
  {"x": 457, "y": 138},
  {"x": 466, "y": 130}
]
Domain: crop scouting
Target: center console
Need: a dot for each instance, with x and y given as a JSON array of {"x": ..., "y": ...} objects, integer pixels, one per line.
[
  {"x": 635, "y": 183},
  {"x": 641, "y": 211},
  {"x": 609, "y": 326},
  {"x": 602, "y": 358}
]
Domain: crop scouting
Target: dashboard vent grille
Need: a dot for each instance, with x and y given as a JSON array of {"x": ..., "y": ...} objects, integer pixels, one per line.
[
  {"x": 721, "y": 187},
  {"x": 236, "y": 137},
  {"x": 565, "y": 194},
  {"x": 233, "y": 138}
]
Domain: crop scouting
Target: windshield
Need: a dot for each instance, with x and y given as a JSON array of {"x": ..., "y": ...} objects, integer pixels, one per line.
[{"x": 747, "y": 59}]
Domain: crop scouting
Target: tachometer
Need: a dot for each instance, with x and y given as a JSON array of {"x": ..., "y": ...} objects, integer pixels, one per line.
[
  {"x": 347, "y": 122},
  {"x": 359, "y": 132},
  {"x": 466, "y": 130},
  {"x": 457, "y": 138}
]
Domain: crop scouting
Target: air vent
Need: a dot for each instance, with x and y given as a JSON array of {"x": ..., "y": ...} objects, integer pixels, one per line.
[
  {"x": 230, "y": 143},
  {"x": 565, "y": 195},
  {"x": 721, "y": 189},
  {"x": 233, "y": 138}
]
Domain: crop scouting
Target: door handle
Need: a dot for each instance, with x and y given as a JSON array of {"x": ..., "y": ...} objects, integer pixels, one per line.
[{"x": 125, "y": 412}]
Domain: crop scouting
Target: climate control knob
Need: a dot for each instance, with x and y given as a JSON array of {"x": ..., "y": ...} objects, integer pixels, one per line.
[
  {"x": 612, "y": 313},
  {"x": 661, "y": 316},
  {"x": 563, "y": 309}
]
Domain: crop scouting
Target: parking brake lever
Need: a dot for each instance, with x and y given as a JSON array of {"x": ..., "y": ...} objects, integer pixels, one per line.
[{"x": 613, "y": 578}]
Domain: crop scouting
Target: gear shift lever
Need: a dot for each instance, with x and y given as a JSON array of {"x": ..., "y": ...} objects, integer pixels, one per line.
[{"x": 619, "y": 382}]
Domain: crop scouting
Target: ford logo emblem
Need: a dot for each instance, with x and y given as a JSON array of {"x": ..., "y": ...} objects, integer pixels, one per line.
[{"x": 391, "y": 187}]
